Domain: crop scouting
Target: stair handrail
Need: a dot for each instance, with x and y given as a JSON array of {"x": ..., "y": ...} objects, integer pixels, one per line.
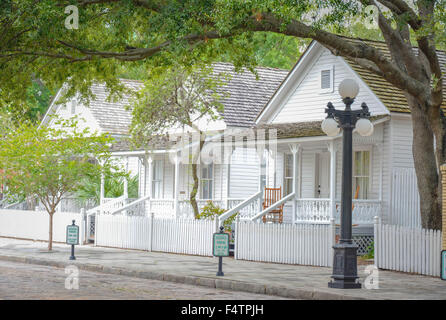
[
  {"x": 129, "y": 205},
  {"x": 272, "y": 207},
  {"x": 241, "y": 205},
  {"x": 105, "y": 205}
]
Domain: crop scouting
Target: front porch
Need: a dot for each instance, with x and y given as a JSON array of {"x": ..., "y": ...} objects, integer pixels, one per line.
[{"x": 308, "y": 171}]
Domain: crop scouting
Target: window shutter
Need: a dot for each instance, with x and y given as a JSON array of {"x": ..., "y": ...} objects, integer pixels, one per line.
[{"x": 325, "y": 79}]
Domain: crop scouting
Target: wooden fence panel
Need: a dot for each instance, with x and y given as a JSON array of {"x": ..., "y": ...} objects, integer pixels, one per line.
[
  {"x": 407, "y": 249},
  {"x": 188, "y": 236},
  {"x": 306, "y": 244}
]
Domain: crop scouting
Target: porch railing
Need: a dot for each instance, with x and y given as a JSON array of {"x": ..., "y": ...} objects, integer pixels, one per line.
[
  {"x": 319, "y": 211},
  {"x": 135, "y": 208},
  {"x": 312, "y": 210},
  {"x": 273, "y": 206},
  {"x": 162, "y": 208},
  {"x": 247, "y": 208},
  {"x": 109, "y": 206},
  {"x": 363, "y": 211}
]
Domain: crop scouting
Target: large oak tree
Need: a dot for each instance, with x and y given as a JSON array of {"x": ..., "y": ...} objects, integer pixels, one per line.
[{"x": 34, "y": 40}]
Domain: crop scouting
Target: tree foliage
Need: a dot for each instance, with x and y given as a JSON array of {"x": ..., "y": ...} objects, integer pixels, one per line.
[
  {"x": 156, "y": 33},
  {"x": 178, "y": 97},
  {"x": 48, "y": 163},
  {"x": 90, "y": 189}
]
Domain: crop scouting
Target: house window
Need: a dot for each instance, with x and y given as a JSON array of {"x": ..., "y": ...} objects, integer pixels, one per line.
[
  {"x": 157, "y": 179},
  {"x": 206, "y": 181},
  {"x": 288, "y": 175},
  {"x": 361, "y": 174},
  {"x": 327, "y": 77}
]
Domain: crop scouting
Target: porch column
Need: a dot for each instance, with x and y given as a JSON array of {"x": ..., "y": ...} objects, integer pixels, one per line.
[
  {"x": 177, "y": 186},
  {"x": 149, "y": 175},
  {"x": 228, "y": 174},
  {"x": 126, "y": 182},
  {"x": 332, "y": 179},
  {"x": 261, "y": 182},
  {"x": 295, "y": 150}
]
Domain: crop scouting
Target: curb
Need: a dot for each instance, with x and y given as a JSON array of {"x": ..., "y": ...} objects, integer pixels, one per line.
[{"x": 234, "y": 285}]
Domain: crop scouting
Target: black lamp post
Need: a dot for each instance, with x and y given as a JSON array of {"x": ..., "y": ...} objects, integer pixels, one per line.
[{"x": 345, "y": 273}]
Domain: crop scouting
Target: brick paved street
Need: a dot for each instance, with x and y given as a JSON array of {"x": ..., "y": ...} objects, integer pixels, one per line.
[{"x": 27, "y": 281}]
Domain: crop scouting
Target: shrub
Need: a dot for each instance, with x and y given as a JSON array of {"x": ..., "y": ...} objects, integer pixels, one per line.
[
  {"x": 371, "y": 251},
  {"x": 211, "y": 211}
]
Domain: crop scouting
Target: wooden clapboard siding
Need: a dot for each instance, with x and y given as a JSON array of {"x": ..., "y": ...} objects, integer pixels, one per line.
[
  {"x": 402, "y": 135},
  {"x": 306, "y": 102},
  {"x": 308, "y": 173},
  {"x": 244, "y": 173},
  {"x": 404, "y": 200}
]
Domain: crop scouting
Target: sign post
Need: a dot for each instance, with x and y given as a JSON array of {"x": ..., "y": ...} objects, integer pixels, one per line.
[
  {"x": 220, "y": 248},
  {"x": 72, "y": 238}
]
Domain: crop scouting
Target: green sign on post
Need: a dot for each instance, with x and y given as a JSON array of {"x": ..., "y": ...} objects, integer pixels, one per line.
[
  {"x": 221, "y": 245},
  {"x": 72, "y": 235},
  {"x": 72, "y": 238}
]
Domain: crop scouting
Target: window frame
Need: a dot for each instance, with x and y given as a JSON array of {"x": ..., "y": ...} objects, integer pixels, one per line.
[
  {"x": 209, "y": 180},
  {"x": 285, "y": 177},
  {"x": 331, "y": 88},
  {"x": 370, "y": 176},
  {"x": 159, "y": 181}
]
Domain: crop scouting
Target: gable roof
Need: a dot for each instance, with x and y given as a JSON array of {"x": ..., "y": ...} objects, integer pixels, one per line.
[
  {"x": 112, "y": 117},
  {"x": 246, "y": 96},
  {"x": 390, "y": 96}
]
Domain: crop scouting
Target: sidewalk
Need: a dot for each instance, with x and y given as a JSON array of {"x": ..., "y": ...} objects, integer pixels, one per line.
[{"x": 300, "y": 282}]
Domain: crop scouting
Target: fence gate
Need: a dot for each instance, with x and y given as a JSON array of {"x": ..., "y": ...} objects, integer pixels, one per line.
[{"x": 90, "y": 227}]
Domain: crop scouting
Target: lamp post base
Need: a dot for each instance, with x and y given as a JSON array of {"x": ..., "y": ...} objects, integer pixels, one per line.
[{"x": 345, "y": 273}]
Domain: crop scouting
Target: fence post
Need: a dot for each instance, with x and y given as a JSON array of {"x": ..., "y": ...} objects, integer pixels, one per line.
[
  {"x": 375, "y": 240},
  {"x": 151, "y": 231},
  {"x": 332, "y": 240},
  {"x": 84, "y": 226},
  {"x": 236, "y": 232},
  {"x": 216, "y": 224}
]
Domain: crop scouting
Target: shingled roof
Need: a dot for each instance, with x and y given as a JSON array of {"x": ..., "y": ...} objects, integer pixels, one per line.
[
  {"x": 245, "y": 97},
  {"x": 392, "y": 97},
  {"x": 112, "y": 117},
  {"x": 248, "y": 95}
]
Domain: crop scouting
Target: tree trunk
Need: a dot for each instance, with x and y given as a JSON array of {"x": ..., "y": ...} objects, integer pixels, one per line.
[
  {"x": 193, "y": 194},
  {"x": 428, "y": 178},
  {"x": 50, "y": 238}
]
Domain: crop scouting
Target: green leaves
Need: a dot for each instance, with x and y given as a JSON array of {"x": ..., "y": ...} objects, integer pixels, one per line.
[
  {"x": 175, "y": 97},
  {"x": 48, "y": 163}
]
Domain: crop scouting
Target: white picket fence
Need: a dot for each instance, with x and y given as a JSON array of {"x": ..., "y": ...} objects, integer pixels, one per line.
[
  {"x": 305, "y": 244},
  {"x": 405, "y": 205},
  {"x": 34, "y": 225},
  {"x": 407, "y": 249},
  {"x": 187, "y": 236}
]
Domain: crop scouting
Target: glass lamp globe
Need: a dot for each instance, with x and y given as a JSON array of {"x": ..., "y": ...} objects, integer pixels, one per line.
[
  {"x": 364, "y": 127},
  {"x": 330, "y": 127},
  {"x": 348, "y": 88}
]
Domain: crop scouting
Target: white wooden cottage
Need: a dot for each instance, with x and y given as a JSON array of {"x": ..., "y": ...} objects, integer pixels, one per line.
[{"x": 306, "y": 164}]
